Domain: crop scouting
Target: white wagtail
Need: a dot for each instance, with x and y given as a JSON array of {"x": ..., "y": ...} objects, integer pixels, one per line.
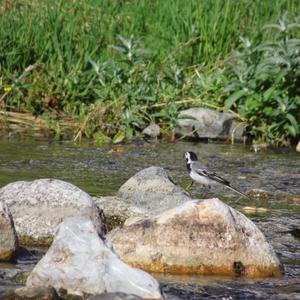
[{"x": 201, "y": 174}]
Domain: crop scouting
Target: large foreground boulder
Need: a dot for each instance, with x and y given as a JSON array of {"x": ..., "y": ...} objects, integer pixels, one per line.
[
  {"x": 8, "y": 237},
  {"x": 39, "y": 206},
  {"x": 80, "y": 262},
  {"x": 198, "y": 237},
  {"x": 152, "y": 190},
  {"x": 207, "y": 123}
]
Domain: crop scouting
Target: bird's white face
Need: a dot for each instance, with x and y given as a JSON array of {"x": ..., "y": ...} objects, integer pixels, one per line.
[
  {"x": 190, "y": 157},
  {"x": 187, "y": 156}
]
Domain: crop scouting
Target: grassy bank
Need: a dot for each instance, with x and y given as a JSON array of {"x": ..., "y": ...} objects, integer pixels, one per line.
[{"x": 115, "y": 66}]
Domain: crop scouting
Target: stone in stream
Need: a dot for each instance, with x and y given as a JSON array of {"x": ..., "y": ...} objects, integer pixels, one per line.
[
  {"x": 80, "y": 262},
  {"x": 117, "y": 210},
  {"x": 25, "y": 293},
  {"x": 207, "y": 123},
  {"x": 8, "y": 236},
  {"x": 152, "y": 131},
  {"x": 152, "y": 190},
  {"x": 198, "y": 237},
  {"x": 39, "y": 206}
]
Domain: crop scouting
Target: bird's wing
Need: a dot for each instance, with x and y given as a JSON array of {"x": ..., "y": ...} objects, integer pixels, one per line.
[
  {"x": 212, "y": 176},
  {"x": 203, "y": 171}
]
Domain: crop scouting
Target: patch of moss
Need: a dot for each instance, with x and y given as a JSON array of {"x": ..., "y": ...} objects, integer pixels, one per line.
[
  {"x": 112, "y": 222},
  {"x": 29, "y": 241}
]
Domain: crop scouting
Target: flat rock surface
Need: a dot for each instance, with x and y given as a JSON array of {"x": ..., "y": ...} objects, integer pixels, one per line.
[
  {"x": 197, "y": 237},
  {"x": 39, "y": 206},
  {"x": 152, "y": 190},
  {"x": 81, "y": 262}
]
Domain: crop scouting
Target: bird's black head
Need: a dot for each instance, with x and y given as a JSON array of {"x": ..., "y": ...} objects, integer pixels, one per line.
[{"x": 190, "y": 157}]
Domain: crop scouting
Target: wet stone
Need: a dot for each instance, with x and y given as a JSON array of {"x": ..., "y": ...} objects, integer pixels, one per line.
[{"x": 182, "y": 240}]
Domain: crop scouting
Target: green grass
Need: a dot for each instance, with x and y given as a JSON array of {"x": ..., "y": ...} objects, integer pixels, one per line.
[{"x": 174, "y": 47}]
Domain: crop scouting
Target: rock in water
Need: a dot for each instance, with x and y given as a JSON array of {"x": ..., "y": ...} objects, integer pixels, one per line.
[
  {"x": 80, "y": 262},
  {"x": 39, "y": 206},
  {"x": 8, "y": 237},
  {"x": 152, "y": 131},
  {"x": 44, "y": 293},
  {"x": 199, "y": 237},
  {"x": 152, "y": 190},
  {"x": 207, "y": 123}
]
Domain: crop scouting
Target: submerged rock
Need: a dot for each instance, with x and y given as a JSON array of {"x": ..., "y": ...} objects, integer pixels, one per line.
[
  {"x": 8, "y": 237},
  {"x": 199, "y": 237},
  {"x": 80, "y": 262},
  {"x": 115, "y": 296},
  {"x": 39, "y": 206},
  {"x": 207, "y": 123},
  {"x": 25, "y": 293},
  {"x": 277, "y": 195},
  {"x": 152, "y": 190}
]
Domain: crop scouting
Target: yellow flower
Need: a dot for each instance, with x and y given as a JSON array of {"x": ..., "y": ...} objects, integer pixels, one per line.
[{"x": 7, "y": 89}]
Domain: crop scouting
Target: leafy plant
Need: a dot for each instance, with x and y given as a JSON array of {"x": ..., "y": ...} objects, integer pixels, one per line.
[{"x": 264, "y": 84}]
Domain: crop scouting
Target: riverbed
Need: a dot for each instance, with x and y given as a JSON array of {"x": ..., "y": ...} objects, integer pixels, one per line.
[{"x": 102, "y": 170}]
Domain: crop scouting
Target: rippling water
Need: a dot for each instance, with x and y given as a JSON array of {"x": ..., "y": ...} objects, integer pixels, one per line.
[{"x": 101, "y": 171}]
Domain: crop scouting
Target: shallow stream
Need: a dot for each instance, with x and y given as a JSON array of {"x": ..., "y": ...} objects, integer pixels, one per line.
[{"x": 101, "y": 171}]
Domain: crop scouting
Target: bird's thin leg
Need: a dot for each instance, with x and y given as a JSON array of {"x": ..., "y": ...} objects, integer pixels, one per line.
[
  {"x": 206, "y": 191},
  {"x": 189, "y": 186}
]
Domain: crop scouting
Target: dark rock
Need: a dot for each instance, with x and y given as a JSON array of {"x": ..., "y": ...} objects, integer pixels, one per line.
[
  {"x": 115, "y": 296},
  {"x": 25, "y": 293}
]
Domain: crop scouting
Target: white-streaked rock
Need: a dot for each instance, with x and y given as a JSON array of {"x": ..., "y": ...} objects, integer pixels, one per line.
[
  {"x": 39, "y": 206},
  {"x": 80, "y": 262},
  {"x": 8, "y": 237},
  {"x": 152, "y": 190},
  {"x": 197, "y": 237}
]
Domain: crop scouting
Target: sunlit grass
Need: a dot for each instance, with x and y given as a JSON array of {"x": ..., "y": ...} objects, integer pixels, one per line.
[{"x": 177, "y": 44}]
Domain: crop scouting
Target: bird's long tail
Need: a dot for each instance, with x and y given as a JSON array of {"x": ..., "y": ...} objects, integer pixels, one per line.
[{"x": 237, "y": 191}]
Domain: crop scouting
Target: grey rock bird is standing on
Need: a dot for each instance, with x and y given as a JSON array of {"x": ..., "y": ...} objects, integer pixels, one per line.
[{"x": 199, "y": 173}]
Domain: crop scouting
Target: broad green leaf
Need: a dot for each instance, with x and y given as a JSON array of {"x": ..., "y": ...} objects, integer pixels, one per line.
[
  {"x": 269, "y": 92},
  {"x": 234, "y": 97},
  {"x": 188, "y": 117},
  {"x": 119, "y": 137},
  {"x": 291, "y": 130},
  {"x": 293, "y": 121}
]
